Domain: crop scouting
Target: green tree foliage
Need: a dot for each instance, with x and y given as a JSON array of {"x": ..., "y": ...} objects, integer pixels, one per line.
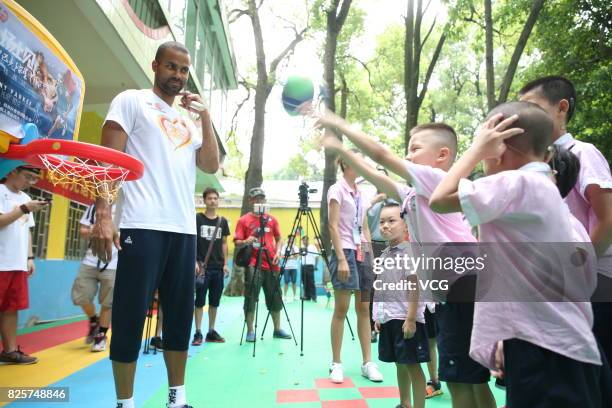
[{"x": 573, "y": 39}]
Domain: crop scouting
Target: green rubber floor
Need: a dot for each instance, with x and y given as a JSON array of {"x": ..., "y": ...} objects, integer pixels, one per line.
[{"x": 227, "y": 374}]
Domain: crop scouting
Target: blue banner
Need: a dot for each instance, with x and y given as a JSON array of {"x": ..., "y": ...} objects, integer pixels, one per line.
[{"x": 36, "y": 86}]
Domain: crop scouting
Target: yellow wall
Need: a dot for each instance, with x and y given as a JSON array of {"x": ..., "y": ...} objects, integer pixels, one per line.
[
  {"x": 285, "y": 217},
  {"x": 90, "y": 130},
  {"x": 58, "y": 220}
]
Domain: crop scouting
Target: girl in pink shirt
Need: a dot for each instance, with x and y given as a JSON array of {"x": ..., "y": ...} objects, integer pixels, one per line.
[{"x": 432, "y": 150}]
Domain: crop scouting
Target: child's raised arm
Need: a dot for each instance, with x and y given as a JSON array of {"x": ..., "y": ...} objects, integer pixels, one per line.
[
  {"x": 488, "y": 143},
  {"x": 380, "y": 180},
  {"x": 377, "y": 152}
]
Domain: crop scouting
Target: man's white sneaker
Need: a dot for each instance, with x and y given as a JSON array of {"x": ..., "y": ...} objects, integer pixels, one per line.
[
  {"x": 370, "y": 371},
  {"x": 99, "y": 343},
  {"x": 336, "y": 373}
]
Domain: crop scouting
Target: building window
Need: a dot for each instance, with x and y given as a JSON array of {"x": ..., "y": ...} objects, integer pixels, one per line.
[
  {"x": 149, "y": 12},
  {"x": 40, "y": 232},
  {"x": 75, "y": 246}
]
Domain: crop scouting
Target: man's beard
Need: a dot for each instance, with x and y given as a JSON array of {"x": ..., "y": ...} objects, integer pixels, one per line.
[{"x": 170, "y": 87}]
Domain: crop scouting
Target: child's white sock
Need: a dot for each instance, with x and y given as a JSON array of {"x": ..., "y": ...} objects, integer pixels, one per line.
[
  {"x": 177, "y": 397},
  {"x": 126, "y": 403}
]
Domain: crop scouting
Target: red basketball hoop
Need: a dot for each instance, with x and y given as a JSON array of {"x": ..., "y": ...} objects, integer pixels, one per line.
[{"x": 98, "y": 169}]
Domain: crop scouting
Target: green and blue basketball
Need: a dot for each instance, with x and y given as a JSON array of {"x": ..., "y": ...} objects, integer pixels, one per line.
[{"x": 296, "y": 91}]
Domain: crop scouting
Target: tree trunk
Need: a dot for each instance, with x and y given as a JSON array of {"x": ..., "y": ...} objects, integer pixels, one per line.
[
  {"x": 413, "y": 48},
  {"x": 409, "y": 73},
  {"x": 336, "y": 17},
  {"x": 432, "y": 64},
  {"x": 489, "y": 55},
  {"x": 536, "y": 7},
  {"x": 253, "y": 176},
  {"x": 235, "y": 287},
  {"x": 344, "y": 92},
  {"x": 329, "y": 173}
]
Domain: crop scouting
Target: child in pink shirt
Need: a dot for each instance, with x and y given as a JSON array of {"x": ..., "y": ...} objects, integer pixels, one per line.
[
  {"x": 548, "y": 343},
  {"x": 591, "y": 199},
  {"x": 431, "y": 152},
  {"x": 398, "y": 313}
]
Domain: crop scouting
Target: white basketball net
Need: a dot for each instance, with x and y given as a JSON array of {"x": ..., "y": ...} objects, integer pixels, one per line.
[{"x": 95, "y": 179}]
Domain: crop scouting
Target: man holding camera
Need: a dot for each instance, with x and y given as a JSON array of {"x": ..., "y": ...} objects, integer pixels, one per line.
[{"x": 248, "y": 232}]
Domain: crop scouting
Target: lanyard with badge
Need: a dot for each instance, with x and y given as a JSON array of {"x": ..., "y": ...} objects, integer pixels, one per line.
[{"x": 357, "y": 227}]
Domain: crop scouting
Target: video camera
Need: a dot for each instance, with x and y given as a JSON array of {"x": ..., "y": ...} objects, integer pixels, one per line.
[
  {"x": 304, "y": 189},
  {"x": 261, "y": 209}
]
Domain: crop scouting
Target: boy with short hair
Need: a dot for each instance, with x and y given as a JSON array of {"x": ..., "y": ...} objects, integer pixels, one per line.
[
  {"x": 214, "y": 269},
  {"x": 16, "y": 257},
  {"x": 95, "y": 276},
  {"x": 431, "y": 152},
  {"x": 546, "y": 350}
]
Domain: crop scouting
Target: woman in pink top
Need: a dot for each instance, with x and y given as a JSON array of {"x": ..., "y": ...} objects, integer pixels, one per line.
[{"x": 350, "y": 271}]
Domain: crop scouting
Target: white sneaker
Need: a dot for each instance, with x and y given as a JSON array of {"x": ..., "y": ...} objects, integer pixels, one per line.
[
  {"x": 370, "y": 371},
  {"x": 99, "y": 343},
  {"x": 336, "y": 373}
]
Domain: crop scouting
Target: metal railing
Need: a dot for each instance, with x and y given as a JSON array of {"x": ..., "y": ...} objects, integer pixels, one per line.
[
  {"x": 40, "y": 233},
  {"x": 75, "y": 245}
]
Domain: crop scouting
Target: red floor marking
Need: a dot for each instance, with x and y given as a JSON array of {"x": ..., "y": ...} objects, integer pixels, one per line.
[
  {"x": 285, "y": 396},
  {"x": 326, "y": 383},
  {"x": 344, "y": 404},
  {"x": 379, "y": 392},
  {"x": 51, "y": 337}
]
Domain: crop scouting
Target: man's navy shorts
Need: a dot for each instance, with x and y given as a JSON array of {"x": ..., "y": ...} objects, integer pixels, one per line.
[{"x": 151, "y": 260}]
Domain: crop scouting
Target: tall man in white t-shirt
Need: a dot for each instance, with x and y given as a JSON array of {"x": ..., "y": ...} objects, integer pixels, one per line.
[{"x": 157, "y": 240}]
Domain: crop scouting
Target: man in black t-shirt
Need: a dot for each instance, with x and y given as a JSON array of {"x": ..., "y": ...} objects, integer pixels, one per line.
[{"x": 210, "y": 274}]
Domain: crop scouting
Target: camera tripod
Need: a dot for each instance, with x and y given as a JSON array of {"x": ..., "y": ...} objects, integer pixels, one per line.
[
  {"x": 303, "y": 210},
  {"x": 149, "y": 325},
  {"x": 262, "y": 251}
]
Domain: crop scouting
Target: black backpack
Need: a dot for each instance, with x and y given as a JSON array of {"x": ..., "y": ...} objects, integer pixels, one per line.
[{"x": 243, "y": 255}]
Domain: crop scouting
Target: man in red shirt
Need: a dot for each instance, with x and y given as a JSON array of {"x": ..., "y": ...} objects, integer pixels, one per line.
[{"x": 247, "y": 231}]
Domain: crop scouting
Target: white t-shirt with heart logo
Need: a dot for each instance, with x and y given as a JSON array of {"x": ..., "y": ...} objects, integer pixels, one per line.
[{"x": 166, "y": 142}]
